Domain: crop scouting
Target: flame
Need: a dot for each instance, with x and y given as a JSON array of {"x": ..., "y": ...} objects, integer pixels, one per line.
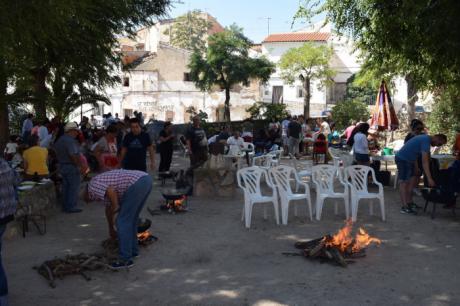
[
  {"x": 345, "y": 242},
  {"x": 363, "y": 239},
  {"x": 143, "y": 235},
  {"x": 179, "y": 202},
  {"x": 342, "y": 240}
]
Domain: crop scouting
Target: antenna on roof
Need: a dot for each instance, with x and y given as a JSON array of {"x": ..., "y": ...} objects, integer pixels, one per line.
[{"x": 268, "y": 23}]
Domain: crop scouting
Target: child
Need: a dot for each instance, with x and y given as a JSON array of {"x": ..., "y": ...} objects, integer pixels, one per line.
[{"x": 11, "y": 148}]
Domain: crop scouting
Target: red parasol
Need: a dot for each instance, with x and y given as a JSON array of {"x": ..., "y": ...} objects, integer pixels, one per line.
[{"x": 384, "y": 114}]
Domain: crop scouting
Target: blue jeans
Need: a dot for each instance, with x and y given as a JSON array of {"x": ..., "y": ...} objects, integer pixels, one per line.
[
  {"x": 70, "y": 186},
  {"x": 131, "y": 205},
  {"x": 3, "y": 282}
]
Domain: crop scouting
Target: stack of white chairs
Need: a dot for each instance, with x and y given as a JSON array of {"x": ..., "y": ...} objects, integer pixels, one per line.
[
  {"x": 281, "y": 177},
  {"x": 357, "y": 179},
  {"x": 249, "y": 180},
  {"x": 323, "y": 177}
]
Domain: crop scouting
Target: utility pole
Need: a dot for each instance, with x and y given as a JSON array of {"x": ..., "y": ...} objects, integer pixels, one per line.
[{"x": 268, "y": 25}]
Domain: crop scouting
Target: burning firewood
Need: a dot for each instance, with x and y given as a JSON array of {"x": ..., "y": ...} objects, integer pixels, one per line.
[{"x": 340, "y": 248}]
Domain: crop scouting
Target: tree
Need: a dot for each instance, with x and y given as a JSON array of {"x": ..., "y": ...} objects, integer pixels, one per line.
[
  {"x": 308, "y": 63},
  {"x": 227, "y": 63},
  {"x": 68, "y": 93},
  {"x": 38, "y": 36},
  {"x": 417, "y": 39},
  {"x": 190, "y": 31},
  {"x": 445, "y": 117},
  {"x": 347, "y": 110}
]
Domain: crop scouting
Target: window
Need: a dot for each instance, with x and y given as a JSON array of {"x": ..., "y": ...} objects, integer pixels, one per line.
[
  {"x": 187, "y": 77},
  {"x": 125, "y": 82},
  {"x": 299, "y": 91},
  {"x": 128, "y": 112},
  {"x": 169, "y": 116}
]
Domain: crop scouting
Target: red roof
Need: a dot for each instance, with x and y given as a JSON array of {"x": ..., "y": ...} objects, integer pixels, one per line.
[{"x": 297, "y": 37}]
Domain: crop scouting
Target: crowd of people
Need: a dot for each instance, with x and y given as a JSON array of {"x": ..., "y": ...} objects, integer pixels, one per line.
[{"x": 119, "y": 154}]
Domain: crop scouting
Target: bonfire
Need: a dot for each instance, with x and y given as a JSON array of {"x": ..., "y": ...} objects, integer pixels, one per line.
[{"x": 340, "y": 248}]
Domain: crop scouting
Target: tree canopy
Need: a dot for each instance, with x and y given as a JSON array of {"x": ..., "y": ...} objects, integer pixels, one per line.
[
  {"x": 38, "y": 37},
  {"x": 190, "y": 31},
  {"x": 307, "y": 63},
  {"x": 416, "y": 37},
  {"x": 227, "y": 63}
]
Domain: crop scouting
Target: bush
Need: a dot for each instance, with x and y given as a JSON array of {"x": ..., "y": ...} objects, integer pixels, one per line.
[
  {"x": 445, "y": 115},
  {"x": 267, "y": 111},
  {"x": 345, "y": 111}
]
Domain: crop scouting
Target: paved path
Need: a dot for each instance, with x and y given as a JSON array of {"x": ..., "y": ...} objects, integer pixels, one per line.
[{"x": 207, "y": 257}]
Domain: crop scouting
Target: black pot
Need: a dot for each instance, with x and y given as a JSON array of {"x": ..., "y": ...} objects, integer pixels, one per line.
[{"x": 143, "y": 225}]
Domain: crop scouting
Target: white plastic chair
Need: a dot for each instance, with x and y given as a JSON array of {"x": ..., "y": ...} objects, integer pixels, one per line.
[
  {"x": 248, "y": 145},
  {"x": 281, "y": 176},
  {"x": 323, "y": 177},
  {"x": 356, "y": 178},
  {"x": 249, "y": 180},
  {"x": 303, "y": 170},
  {"x": 263, "y": 161},
  {"x": 276, "y": 157}
]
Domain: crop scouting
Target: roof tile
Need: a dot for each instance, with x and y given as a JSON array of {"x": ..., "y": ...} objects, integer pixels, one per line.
[{"x": 297, "y": 37}]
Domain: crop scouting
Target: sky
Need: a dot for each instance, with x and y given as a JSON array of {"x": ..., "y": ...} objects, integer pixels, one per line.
[{"x": 251, "y": 15}]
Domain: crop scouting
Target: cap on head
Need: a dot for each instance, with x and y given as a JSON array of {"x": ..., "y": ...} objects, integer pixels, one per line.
[{"x": 70, "y": 126}]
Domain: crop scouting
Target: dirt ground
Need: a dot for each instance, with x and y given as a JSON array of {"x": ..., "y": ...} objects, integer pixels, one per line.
[{"x": 207, "y": 257}]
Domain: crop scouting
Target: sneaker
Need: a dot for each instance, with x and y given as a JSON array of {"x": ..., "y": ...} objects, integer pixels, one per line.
[
  {"x": 408, "y": 210},
  {"x": 413, "y": 206},
  {"x": 117, "y": 265}
]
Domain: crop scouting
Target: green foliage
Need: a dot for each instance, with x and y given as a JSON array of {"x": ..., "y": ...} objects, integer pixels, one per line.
[
  {"x": 361, "y": 89},
  {"x": 414, "y": 37},
  {"x": 17, "y": 114},
  {"x": 189, "y": 31},
  {"x": 41, "y": 36},
  {"x": 445, "y": 116},
  {"x": 68, "y": 94},
  {"x": 345, "y": 111},
  {"x": 268, "y": 111},
  {"x": 307, "y": 63},
  {"x": 193, "y": 112},
  {"x": 227, "y": 63}
]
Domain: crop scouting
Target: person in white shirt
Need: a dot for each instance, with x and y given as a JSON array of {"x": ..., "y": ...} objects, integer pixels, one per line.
[
  {"x": 360, "y": 144},
  {"x": 235, "y": 143},
  {"x": 10, "y": 148},
  {"x": 213, "y": 139},
  {"x": 284, "y": 133},
  {"x": 324, "y": 127}
]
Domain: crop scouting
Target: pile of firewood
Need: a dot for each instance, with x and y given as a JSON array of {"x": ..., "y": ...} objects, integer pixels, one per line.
[
  {"x": 79, "y": 264},
  {"x": 323, "y": 250}
]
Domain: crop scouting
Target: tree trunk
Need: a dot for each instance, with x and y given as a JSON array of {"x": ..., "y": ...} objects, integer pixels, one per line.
[
  {"x": 411, "y": 97},
  {"x": 306, "y": 102},
  {"x": 4, "y": 118},
  {"x": 227, "y": 105},
  {"x": 40, "y": 92}
]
